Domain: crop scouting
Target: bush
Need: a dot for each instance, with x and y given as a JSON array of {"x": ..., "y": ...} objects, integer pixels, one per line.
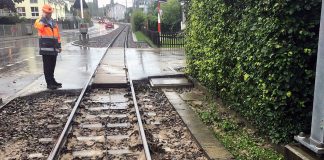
[
  {"x": 259, "y": 57},
  {"x": 137, "y": 20},
  {"x": 9, "y": 20}
]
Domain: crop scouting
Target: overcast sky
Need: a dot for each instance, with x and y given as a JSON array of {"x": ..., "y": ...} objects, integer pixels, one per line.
[{"x": 123, "y": 2}]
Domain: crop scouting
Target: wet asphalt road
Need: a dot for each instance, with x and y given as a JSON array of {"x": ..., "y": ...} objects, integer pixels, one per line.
[{"x": 20, "y": 63}]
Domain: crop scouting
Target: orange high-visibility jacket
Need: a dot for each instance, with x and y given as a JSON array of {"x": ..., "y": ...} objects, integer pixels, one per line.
[{"x": 49, "y": 37}]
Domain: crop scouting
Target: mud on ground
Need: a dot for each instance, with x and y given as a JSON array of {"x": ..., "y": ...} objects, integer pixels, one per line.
[
  {"x": 168, "y": 137},
  {"x": 30, "y": 125}
]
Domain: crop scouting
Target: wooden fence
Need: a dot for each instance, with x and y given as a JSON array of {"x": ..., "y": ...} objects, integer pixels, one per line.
[{"x": 166, "y": 40}]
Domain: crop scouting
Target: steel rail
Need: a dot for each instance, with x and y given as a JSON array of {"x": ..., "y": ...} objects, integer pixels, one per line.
[
  {"x": 55, "y": 152},
  {"x": 139, "y": 120}
]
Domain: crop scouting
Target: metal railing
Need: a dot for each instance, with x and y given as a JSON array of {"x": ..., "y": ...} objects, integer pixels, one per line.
[
  {"x": 17, "y": 30},
  {"x": 166, "y": 40}
]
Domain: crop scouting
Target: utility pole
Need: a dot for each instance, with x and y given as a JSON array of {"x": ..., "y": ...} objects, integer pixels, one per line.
[
  {"x": 81, "y": 6},
  {"x": 55, "y": 10},
  {"x": 159, "y": 18},
  {"x": 315, "y": 141}
]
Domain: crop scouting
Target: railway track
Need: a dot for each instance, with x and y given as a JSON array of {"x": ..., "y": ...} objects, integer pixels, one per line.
[
  {"x": 34, "y": 135},
  {"x": 106, "y": 123}
]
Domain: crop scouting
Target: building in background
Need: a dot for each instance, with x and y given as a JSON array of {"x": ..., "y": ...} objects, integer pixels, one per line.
[
  {"x": 5, "y": 12},
  {"x": 116, "y": 11},
  {"x": 32, "y": 9},
  {"x": 143, "y": 4},
  {"x": 94, "y": 8}
]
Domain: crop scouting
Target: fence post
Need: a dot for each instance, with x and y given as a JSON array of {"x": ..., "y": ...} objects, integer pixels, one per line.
[{"x": 4, "y": 30}]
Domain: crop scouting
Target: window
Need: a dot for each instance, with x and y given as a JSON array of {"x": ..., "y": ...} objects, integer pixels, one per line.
[
  {"x": 4, "y": 12},
  {"x": 34, "y": 11},
  {"x": 33, "y": 1},
  {"x": 21, "y": 11}
]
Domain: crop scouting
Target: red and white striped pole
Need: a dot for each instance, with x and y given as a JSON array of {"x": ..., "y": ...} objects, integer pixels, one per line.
[{"x": 159, "y": 17}]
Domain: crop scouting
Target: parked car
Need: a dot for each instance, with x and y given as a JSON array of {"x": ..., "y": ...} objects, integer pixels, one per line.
[{"x": 109, "y": 25}]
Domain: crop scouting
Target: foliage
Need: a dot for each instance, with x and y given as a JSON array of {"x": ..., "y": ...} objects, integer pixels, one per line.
[
  {"x": 137, "y": 20},
  {"x": 259, "y": 57},
  {"x": 77, "y": 4},
  {"x": 11, "y": 20},
  {"x": 171, "y": 16},
  {"x": 9, "y": 4},
  {"x": 234, "y": 133},
  {"x": 143, "y": 38}
]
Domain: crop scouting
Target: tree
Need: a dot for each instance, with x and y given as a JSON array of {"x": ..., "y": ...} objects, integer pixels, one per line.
[
  {"x": 137, "y": 20},
  {"x": 77, "y": 4},
  {"x": 171, "y": 15},
  {"x": 9, "y": 4}
]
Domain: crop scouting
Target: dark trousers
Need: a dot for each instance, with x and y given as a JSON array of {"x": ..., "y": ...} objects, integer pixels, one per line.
[{"x": 49, "y": 62}]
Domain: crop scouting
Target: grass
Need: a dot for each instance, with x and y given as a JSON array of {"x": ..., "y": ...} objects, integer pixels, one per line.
[
  {"x": 234, "y": 133},
  {"x": 141, "y": 37}
]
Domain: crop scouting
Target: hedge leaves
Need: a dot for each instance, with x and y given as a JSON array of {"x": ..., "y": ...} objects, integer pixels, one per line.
[{"x": 259, "y": 57}]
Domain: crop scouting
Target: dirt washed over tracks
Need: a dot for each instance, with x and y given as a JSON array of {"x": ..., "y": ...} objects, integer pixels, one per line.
[
  {"x": 105, "y": 127},
  {"x": 30, "y": 125},
  {"x": 168, "y": 137}
]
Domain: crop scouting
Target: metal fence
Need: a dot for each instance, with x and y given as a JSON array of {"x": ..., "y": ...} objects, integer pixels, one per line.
[
  {"x": 23, "y": 29},
  {"x": 166, "y": 40},
  {"x": 17, "y": 30}
]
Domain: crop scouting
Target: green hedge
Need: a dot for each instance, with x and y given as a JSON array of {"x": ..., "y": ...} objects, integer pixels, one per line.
[
  {"x": 137, "y": 20},
  {"x": 259, "y": 57}
]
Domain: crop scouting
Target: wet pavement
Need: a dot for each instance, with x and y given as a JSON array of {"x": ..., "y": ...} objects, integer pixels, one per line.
[
  {"x": 111, "y": 72},
  {"x": 143, "y": 63},
  {"x": 75, "y": 65},
  {"x": 21, "y": 65}
]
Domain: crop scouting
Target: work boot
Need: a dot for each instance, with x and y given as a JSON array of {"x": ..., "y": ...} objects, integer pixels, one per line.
[
  {"x": 59, "y": 85},
  {"x": 52, "y": 86}
]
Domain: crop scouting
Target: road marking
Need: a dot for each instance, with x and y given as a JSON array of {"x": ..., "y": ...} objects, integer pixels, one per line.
[
  {"x": 19, "y": 62},
  {"x": 31, "y": 57},
  {"x": 1, "y": 68},
  {"x": 8, "y": 65},
  {"x": 24, "y": 59}
]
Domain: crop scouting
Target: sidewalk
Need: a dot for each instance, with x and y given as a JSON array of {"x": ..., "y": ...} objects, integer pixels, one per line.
[{"x": 73, "y": 68}]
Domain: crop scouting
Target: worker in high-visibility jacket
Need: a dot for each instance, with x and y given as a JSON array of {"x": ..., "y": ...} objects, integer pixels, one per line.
[{"x": 49, "y": 44}]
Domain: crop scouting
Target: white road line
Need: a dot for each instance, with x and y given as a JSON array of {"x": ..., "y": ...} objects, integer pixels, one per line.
[
  {"x": 1, "y": 68},
  {"x": 24, "y": 60},
  {"x": 31, "y": 57},
  {"x": 19, "y": 62},
  {"x": 8, "y": 65}
]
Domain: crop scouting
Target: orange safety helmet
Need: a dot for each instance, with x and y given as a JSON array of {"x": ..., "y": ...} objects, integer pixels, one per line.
[{"x": 47, "y": 8}]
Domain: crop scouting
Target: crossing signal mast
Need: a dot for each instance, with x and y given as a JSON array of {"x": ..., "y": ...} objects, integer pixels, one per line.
[
  {"x": 315, "y": 141},
  {"x": 160, "y": 14}
]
